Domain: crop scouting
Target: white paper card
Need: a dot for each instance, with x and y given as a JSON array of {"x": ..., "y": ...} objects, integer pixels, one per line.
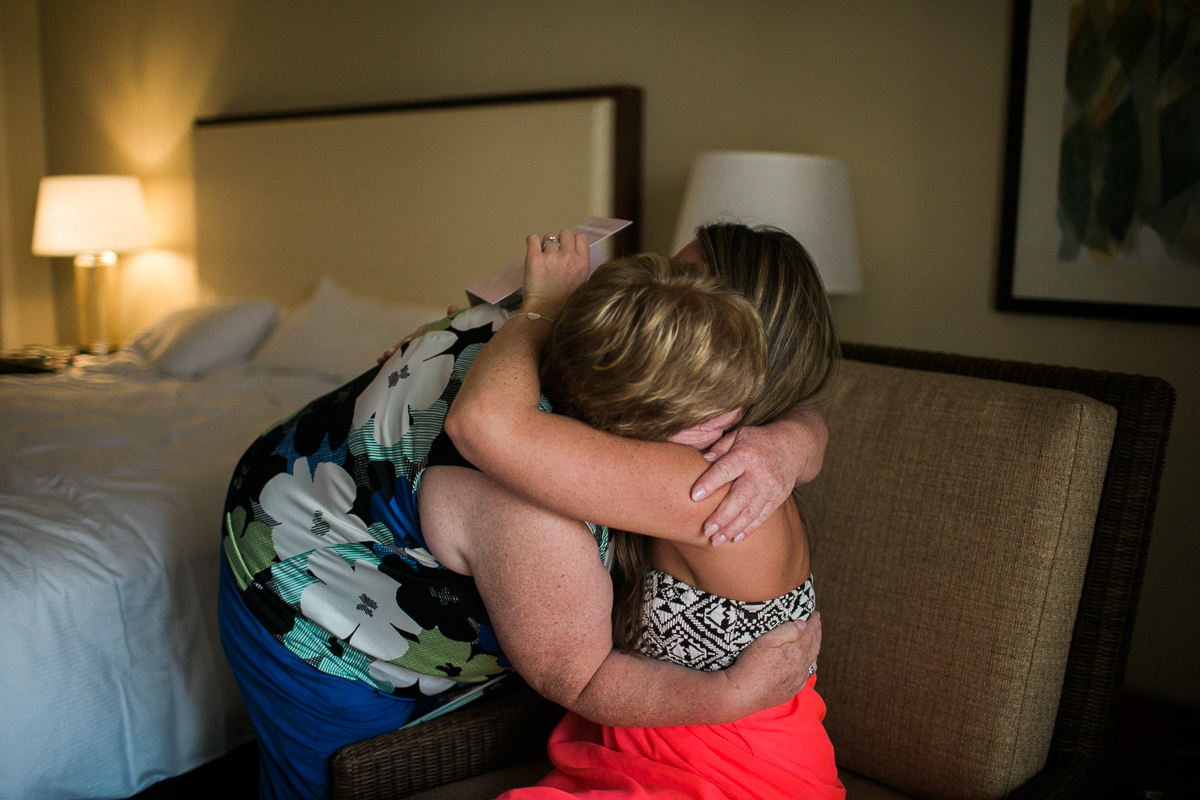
[{"x": 504, "y": 287}]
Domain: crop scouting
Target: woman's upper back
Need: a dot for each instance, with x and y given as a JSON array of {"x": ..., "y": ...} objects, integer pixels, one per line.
[
  {"x": 703, "y": 606},
  {"x": 322, "y": 533},
  {"x": 769, "y": 563}
]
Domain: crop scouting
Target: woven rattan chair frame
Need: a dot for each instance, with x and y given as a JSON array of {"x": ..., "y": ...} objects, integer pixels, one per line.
[
  {"x": 507, "y": 729},
  {"x": 512, "y": 729}
]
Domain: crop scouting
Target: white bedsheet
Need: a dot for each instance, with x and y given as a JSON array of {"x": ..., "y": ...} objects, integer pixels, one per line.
[{"x": 111, "y": 487}]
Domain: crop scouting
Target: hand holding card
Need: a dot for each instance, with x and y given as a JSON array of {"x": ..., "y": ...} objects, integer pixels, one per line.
[{"x": 503, "y": 287}]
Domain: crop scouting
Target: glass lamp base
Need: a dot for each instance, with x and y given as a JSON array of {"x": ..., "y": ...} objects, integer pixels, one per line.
[{"x": 92, "y": 277}]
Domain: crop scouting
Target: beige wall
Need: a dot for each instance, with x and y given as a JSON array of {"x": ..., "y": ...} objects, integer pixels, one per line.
[
  {"x": 26, "y": 297},
  {"x": 911, "y": 94}
]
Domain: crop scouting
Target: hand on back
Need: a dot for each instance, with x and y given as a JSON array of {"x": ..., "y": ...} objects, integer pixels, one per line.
[
  {"x": 763, "y": 464},
  {"x": 777, "y": 664}
]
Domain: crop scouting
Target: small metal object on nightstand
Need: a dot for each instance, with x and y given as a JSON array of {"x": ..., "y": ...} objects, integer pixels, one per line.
[{"x": 35, "y": 359}]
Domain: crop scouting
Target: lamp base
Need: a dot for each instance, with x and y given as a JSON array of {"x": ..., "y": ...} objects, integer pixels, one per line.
[{"x": 92, "y": 275}]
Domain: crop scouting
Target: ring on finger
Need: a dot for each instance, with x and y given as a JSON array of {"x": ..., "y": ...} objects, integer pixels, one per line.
[{"x": 549, "y": 240}]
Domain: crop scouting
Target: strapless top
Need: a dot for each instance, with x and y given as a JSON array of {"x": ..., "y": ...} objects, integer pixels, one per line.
[{"x": 699, "y": 630}]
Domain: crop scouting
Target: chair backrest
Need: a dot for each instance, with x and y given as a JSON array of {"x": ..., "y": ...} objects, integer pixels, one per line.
[{"x": 959, "y": 523}]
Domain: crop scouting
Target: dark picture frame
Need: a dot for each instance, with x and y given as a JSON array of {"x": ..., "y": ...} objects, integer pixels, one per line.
[{"x": 1032, "y": 277}]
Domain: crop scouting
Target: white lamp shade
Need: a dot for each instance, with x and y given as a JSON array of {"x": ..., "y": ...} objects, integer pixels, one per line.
[
  {"x": 807, "y": 196},
  {"x": 90, "y": 214}
]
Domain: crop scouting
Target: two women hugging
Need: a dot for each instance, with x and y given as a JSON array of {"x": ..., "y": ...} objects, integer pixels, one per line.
[{"x": 464, "y": 529}]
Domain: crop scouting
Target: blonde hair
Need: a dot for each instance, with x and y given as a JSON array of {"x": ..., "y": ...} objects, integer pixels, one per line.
[{"x": 648, "y": 348}]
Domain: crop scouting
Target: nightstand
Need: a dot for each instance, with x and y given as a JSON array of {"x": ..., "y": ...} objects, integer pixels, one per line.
[{"x": 35, "y": 359}]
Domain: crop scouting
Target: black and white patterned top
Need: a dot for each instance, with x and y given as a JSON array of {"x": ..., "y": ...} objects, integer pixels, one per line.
[{"x": 698, "y": 630}]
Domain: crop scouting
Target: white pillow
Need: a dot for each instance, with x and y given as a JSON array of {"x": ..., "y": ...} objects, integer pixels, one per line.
[
  {"x": 338, "y": 335},
  {"x": 192, "y": 341}
]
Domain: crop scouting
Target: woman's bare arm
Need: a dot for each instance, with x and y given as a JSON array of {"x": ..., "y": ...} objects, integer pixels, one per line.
[
  {"x": 562, "y": 464},
  {"x": 550, "y": 598},
  {"x": 556, "y": 462}
]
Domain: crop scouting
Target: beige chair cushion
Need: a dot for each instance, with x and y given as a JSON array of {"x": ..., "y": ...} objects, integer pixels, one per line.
[{"x": 953, "y": 522}]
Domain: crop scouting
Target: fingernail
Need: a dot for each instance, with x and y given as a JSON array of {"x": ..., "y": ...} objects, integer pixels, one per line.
[
  {"x": 739, "y": 537},
  {"x": 699, "y": 494},
  {"x": 801, "y": 624},
  {"x": 711, "y": 528},
  {"x": 719, "y": 540},
  {"x": 710, "y": 456}
]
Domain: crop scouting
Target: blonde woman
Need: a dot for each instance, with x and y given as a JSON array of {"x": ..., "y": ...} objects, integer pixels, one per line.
[{"x": 613, "y": 362}]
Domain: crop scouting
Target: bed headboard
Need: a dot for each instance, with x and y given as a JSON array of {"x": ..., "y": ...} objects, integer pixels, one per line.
[{"x": 408, "y": 202}]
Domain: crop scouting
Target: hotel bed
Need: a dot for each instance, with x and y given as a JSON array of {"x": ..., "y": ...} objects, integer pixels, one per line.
[{"x": 322, "y": 238}]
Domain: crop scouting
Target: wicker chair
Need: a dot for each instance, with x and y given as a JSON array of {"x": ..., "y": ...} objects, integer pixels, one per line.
[{"x": 511, "y": 729}]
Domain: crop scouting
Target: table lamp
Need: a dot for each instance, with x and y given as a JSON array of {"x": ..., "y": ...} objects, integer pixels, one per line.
[
  {"x": 91, "y": 217},
  {"x": 807, "y": 196}
]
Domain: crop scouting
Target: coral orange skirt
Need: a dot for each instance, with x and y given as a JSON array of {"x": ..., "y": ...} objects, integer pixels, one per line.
[{"x": 782, "y": 752}]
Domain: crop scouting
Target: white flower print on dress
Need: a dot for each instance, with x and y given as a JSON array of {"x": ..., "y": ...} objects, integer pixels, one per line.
[
  {"x": 311, "y": 509},
  {"x": 401, "y": 387},
  {"x": 420, "y": 555},
  {"x": 403, "y": 678},
  {"x": 398, "y": 387},
  {"x": 357, "y": 603}
]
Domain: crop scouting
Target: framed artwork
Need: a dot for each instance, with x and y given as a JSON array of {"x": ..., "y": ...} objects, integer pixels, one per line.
[{"x": 1101, "y": 213}]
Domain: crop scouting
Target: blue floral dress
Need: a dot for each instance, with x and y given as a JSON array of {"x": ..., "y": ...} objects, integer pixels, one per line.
[{"x": 322, "y": 535}]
